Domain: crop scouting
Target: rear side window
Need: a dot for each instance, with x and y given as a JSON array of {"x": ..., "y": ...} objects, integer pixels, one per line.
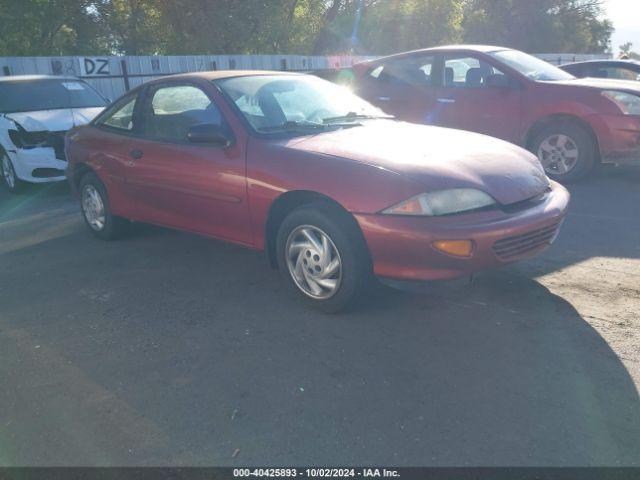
[
  {"x": 174, "y": 109},
  {"x": 175, "y": 100},
  {"x": 413, "y": 70}
]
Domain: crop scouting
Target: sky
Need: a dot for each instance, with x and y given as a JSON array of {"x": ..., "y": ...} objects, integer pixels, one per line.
[{"x": 625, "y": 15}]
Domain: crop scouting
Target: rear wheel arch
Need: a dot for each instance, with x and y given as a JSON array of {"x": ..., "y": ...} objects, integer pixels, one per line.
[
  {"x": 287, "y": 203},
  {"x": 561, "y": 119}
]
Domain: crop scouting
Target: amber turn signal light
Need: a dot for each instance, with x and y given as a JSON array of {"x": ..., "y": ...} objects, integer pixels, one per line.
[{"x": 457, "y": 248}]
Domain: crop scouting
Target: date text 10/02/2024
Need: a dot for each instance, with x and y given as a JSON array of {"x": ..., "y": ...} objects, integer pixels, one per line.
[{"x": 316, "y": 472}]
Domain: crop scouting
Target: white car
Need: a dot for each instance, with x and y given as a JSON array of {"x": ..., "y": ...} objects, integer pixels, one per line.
[{"x": 35, "y": 114}]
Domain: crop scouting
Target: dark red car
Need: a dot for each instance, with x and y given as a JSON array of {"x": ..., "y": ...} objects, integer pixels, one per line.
[
  {"x": 613, "y": 69},
  {"x": 331, "y": 188},
  {"x": 570, "y": 123}
]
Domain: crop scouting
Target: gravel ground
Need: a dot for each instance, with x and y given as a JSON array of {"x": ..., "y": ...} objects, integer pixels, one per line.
[{"x": 169, "y": 349}]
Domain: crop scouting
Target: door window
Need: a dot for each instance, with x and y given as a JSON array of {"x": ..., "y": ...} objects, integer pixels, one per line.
[
  {"x": 173, "y": 110},
  {"x": 467, "y": 72},
  {"x": 413, "y": 70},
  {"x": 120, "y": 115}
]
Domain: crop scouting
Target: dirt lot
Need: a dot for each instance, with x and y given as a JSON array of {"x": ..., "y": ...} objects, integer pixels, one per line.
[{"x": 166, "y": 348}]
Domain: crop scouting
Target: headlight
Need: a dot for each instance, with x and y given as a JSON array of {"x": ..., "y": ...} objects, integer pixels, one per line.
[
  {"x": 23, "y": 139},
  {"x": 442, "y": 202},
  {"x": 628, "y": 103}
]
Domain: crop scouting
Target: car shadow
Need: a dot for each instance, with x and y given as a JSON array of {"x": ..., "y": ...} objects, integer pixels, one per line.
[{"x": 175, "y": 349}]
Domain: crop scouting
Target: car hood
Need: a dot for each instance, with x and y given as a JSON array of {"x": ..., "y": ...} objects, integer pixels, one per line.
[
  {"x": 54, "y": 120},
  {"x": 602, "y": 84},
  {"x": 439, "y": 158}
]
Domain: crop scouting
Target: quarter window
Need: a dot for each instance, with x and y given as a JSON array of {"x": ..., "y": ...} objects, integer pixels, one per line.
[
  {"x": 414, "y": 70},
  {"x": 175, "y": 109},
  {"x": 121, "y": 117},
  {"x": 375, "y": 73}
]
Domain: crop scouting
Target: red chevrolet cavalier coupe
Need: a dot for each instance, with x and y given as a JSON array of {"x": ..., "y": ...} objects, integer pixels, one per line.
[
  {"x": 331, "y": 188},
  {"x": 571, "y": 124}
]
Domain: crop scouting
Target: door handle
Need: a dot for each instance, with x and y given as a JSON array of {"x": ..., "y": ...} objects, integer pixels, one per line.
[
  {"x": 136, "y": 154},
  {"x": 446, "y": 100},
  {"x": 384, "y": 99}
]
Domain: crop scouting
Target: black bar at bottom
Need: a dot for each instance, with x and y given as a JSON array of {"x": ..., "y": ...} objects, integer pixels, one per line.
[{"x": 410, "y": 473}]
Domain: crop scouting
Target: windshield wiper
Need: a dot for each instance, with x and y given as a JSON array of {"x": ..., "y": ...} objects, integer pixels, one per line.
[
  {"x": 291, "y": 125},
  {"x": 353, "y": 116}
]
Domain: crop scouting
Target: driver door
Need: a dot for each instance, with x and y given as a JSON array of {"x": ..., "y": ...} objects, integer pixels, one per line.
[{"x": 176, "y": 183}]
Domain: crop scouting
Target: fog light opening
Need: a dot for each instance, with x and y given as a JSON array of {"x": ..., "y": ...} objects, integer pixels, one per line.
[{"x": 457, "y": 248}]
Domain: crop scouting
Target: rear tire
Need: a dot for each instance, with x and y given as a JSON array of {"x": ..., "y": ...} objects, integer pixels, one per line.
[
  {"x": 94, "y": 205},
  {"x": 322, "y": 256},
  {"x": 566, "y": 151},
  {"x": 9, "y": 177}
]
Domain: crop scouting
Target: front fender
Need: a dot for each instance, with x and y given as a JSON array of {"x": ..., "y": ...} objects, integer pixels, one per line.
[{"x": 272, "y": 170}]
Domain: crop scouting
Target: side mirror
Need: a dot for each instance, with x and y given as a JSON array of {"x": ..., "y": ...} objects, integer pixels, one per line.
[
  {"x": 210, "y": 134},
  {"x": 498, "y": 80}
]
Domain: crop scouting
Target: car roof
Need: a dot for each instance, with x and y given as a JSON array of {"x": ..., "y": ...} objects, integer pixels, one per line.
[
  {"x": 444, "y": 48},
  {"x": 608, "y": 62},
  {"x": 220, "y": 74},
  {"x": 27, "y": 78}
]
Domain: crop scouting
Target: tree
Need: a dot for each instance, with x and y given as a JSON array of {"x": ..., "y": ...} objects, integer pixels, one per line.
[
  {"x": 539, "y": 26},
  {"x": 390, "y": 25},
  {"x": 627, "y": 52},
  {"x": 143, "y": 27},
  {"x": 131, "y": 27},
  {"x": 49, "y": 27}
]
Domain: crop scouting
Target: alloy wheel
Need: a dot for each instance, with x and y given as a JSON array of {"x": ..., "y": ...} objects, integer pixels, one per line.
[
  {"x": 558, "y": 154},
  {"x": 314, "y": 262},
  {"x": 93, "y": 207}
]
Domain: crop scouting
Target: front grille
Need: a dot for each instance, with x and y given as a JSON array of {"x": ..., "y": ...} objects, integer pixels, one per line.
[{"x": 513, "y": 247}]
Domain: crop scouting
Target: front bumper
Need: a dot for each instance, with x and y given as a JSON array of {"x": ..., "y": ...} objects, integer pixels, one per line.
[
  {"x": 38, "y": 165},
  {"x": 402, "y": 247},
  {"x": 618, "y": 137}
]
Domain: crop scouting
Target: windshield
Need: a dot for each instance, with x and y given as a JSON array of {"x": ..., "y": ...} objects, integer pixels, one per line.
[
  {"x": 48, "y": 94},
  {"x": 530, "y": 66},
  {"x": 276, "y": 103}
]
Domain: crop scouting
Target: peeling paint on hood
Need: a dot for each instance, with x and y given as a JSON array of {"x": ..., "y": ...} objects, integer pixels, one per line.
[{"x": 437, "y": 157}]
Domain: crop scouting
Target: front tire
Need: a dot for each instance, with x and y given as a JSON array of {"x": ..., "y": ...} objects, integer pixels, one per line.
[
  {"x": 94, "y": 204},
  {"x": 322, "y": 256},
  {"x": 566, "y": 151},
  {"x": 9, "y": 177}
]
